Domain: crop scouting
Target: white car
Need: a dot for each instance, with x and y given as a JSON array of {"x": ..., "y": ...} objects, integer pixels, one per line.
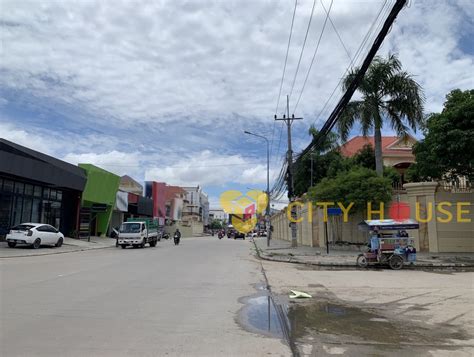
[{"x": 34, "y": 234}]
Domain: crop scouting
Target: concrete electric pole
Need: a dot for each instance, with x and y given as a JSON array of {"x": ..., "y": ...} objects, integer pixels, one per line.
[{"x": 291, "y": 195}]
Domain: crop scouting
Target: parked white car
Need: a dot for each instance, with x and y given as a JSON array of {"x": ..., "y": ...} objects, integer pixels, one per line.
[{"x": 34, "y": 234}]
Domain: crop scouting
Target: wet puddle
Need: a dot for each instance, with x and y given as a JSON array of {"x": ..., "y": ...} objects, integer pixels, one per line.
[
  {"x": 325, "y": 321},
  {"x": 260, "y": 315},
  {"x": 336, "y": 319}
]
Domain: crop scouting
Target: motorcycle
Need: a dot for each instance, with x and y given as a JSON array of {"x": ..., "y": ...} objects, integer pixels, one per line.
[
  {"x": 220, "y": 235},
  {"x": 176, "y": 239},
  {"x": 166, "y": 236}
]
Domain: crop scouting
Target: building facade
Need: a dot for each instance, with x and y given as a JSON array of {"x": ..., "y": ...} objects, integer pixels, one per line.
[
  {"x": 396, "y": 151},
  {"x": 98, "y": 199},
  {"x": 196, "y": 205},
  {"x": 218, "y": 214},
  {"x": 156, "y": 191},
  {"x": 38, "y": 188},
  {"x": 174, "y": 204},
  {"x": 128, "y": 184}
]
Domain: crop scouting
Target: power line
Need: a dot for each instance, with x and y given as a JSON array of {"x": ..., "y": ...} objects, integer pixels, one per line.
[
  {"x": 279, "y": 142},
  {"x": 337, "y": 32},
  {"x": 302, "y": 48},
  {"x": 184, "y": 167},
  {"x": 341, "y": 105},
  {"x": 283, "y": 75},
  {"x": 354, "y": 59},
  {"x": 286, "y": 57},
  {"x": 314, "y": 56}
]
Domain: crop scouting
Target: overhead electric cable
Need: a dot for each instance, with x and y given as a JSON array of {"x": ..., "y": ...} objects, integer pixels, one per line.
[
  {"x": 283, "y": 75},
  {"x": 353, "y": 60},
  {"x": 286, "y": 57},
  {"x": 302, "y": 48},
  {"x": 314, "y": 56},
  {"x": 334, "y": 116},
  {"x": 337, "y": 32}
]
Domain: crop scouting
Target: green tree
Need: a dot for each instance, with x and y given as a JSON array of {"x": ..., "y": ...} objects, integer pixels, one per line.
[
  {"x": 216, "y": 224},
  {"x": 321, "y": 161},
  {"x": 365, "y": 157},
  {"x": 388, "y": 93},
  {"x": 359, "y": 185},
  {"x": 446, "y": 150},
  {"x": 323, "y": 165}
]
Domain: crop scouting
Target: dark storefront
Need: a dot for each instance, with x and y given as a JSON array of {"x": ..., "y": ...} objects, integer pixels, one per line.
[
  {"x": 35, "y": 187},
  {"x": 139, "y": 206}
]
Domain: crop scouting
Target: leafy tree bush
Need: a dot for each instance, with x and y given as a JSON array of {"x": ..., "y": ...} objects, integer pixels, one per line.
[
  {"x": 216, "y": 224},
  {"x": 446, "y": 151},
  {"x": 365, "y": 157},
  {"x": 359, "y": 185}
]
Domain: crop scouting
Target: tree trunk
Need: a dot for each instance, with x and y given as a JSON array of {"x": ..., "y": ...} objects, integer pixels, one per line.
[{"x": 378, "y": 150}]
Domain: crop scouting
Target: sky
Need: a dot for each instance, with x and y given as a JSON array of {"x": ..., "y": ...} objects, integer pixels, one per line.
[{"x": 163, "y": 90}]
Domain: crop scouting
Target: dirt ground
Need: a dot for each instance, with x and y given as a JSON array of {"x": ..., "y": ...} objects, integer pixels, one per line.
[{"x": 377, "y": 312}]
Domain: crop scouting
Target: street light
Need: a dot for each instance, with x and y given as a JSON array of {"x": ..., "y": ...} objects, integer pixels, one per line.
[{"x": 268, "y": 185}]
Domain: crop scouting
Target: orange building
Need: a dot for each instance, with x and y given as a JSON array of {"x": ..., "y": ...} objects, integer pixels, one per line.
[{"x": 396, "y": 151}]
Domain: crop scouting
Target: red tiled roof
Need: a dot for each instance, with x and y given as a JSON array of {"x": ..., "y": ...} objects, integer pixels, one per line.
[{"x": 351, "y": 147}]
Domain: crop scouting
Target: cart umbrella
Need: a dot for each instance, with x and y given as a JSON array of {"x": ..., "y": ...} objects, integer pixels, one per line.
[{"x": 388, "y": 224}]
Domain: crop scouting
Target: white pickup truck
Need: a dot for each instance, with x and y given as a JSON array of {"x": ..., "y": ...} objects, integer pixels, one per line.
[{"x": 137, "y": 232}]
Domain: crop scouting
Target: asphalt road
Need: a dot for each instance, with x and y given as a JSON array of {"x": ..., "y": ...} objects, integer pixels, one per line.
[{"x": 158, "y": 301}]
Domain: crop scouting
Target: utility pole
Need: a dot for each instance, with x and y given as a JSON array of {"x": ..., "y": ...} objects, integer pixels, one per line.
[
  {"x": 267, "y": 214},
  {"x": 291, "y": 195}
]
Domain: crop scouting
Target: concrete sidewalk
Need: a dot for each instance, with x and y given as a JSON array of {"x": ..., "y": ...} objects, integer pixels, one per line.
[
  {"x": 70, "y": 245},
  {"x": 282, "y": 251}
]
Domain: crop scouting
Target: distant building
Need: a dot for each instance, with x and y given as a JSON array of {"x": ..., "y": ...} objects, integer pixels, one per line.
[
  {"x": 128, "y": 184},
  {"x": 174, "y": 204},
  {"x": 196, "y": 205},
  {"x": 157, "y": 192},
  {"x": 396, "y": 151},
  {"x": 218, "y": 214}
]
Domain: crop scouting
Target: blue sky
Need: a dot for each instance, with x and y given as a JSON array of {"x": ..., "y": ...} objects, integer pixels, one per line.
[{"x": 164, "y": 90}]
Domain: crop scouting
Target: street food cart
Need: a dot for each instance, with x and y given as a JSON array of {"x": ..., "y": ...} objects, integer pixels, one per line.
[{"x": 389, "y": 243}]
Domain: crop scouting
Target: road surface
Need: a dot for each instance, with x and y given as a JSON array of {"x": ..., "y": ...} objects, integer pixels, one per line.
[{"x": 166, "y": 300}]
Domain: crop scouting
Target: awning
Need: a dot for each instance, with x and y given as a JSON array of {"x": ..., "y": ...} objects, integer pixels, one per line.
[
  {"x": 388, "y": 224},
  {"x": 121, "y": 202}
]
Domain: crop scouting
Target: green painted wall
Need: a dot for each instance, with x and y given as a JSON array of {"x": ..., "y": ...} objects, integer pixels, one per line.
[{"x": 101, "y": 187}]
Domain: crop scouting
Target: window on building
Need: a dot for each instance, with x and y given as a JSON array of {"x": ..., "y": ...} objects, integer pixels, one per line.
[
  {"x": 28, "y": 190},
  {"x": 19, "y": 188},
  {"x": 7, "y": 186},
  {"x": 16, "y": 214},
  {"x": 36, "y": 210},
  {"x": 37, "y": 191},
  {"x": 5, "y": 208},
  {"x": 26, "y": 215}
]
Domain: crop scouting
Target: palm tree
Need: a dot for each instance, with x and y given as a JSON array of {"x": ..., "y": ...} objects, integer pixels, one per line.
[{"x": 388, "y": 93}]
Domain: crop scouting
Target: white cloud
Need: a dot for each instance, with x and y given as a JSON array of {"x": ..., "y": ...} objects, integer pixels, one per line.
[
  {"x": 172, "y": 84},
  {"x": 142, "y": 61},
  {"x": 26, "y": 138},
  {"x": 206, "y": 168},
  {"x": 120, "y": 163},
  {"x": 426, "y": 37}
]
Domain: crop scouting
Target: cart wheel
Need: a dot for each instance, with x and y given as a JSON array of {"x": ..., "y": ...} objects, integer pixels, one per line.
[
  {"x": 395, "y": 262},
  {"x": 362, "y": 261}
]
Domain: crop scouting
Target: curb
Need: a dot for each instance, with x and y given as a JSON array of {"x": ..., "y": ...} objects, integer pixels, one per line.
[
  {"x": 419, "y": 266},
  {"x": 52, "y": 253}
]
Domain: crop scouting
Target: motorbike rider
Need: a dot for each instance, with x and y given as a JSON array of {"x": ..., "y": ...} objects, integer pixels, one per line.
[{"x": 177, "y": 234}]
